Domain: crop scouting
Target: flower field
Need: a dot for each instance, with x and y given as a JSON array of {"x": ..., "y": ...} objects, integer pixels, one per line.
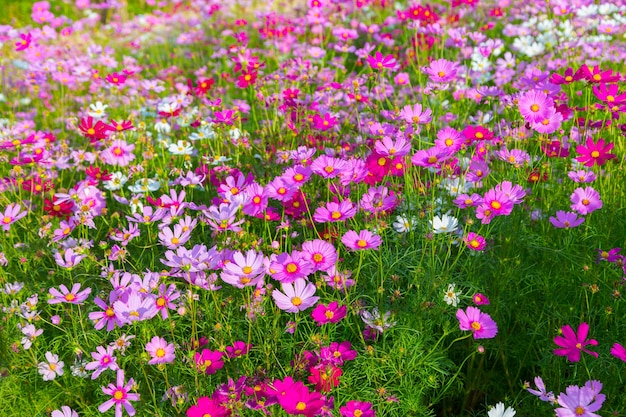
[{"x": 348, "y": 208}]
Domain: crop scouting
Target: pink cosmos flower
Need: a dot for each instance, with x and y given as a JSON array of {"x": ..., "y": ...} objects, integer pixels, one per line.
[
  {"x": 325, "y": 122},
  {"x": 594, "y": 153},
  {"x": 449, "y": 139},
  {"x": 328, "y": 167},
  {"x": 103, "y": 360},
  {"x": 67, "y": 296},
  {"x": 571, "y": 344},
  {"x": 286, "y": 268},
  {"x": 295, "y": 297},
  {"x": 475, "y": 241},
  {"x": 441, "y": 70},
  {"x": 357, "y": 409},
  {"x": 244, "y": 271},
  {"x": 160, "y": 351},
  {"x": 585, "y": 201},
  {"x": 431, "y": 157},
  {"x": 299, "y": 400},
  {"x": 414, "y": 114},
  {"x": 338, "y": 353},
  {"x": 534, "y": 106},
  {"x": 12, "y": 213},
  {"x": 335, "y": 212},
  {"x": 481, "y": 324},
  {"x": 208, "y": 361},
  {"x": 119, "y": 153},
  {"x": 550, "y": 123},
  {"x": 392, "y": 147},
  {"x": 566, "y": 220},
  {"x": 332, "y": 313},
  {"x": 320, "y": 253},
  {"x": 120, "y": 396},
  {"x": 68, "y": 259},
  {"x": 362, "y": 240}
]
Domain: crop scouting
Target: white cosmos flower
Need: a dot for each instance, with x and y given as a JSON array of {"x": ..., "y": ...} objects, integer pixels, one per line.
[
  {"x": 444, "y": 224},
  {"x": 499, "y": 411},
  {"x": 116, "y": 182},
  {"x": 403, "y": 224},
  {"x": 162, "y": 127},
  {"x": 181, "y": 147},
  {"x": 450, "y": 296},
  {"x": 97, "y": 110}
]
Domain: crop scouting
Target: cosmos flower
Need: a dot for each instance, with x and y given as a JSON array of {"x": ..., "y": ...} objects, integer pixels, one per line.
[
  {"x": 295, "y": 297},
  {"x": 571, "y": 344},
  {"x": 580, "y": 401},
  {"x": 51, "y": 368},
  {"x": 479, "y": 323},
  {"x": 594, "y": 153},
  {"x": 120, "y": 396}
]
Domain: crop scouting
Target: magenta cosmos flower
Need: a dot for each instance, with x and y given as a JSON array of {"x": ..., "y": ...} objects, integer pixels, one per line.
[
  {"x": 67, "y": 296},
  {"x": 207, "y": 406},
  {"x": 120, "y": 396},
  {"x": 363, "y": 240},
  {"x": 295, "y": 297},
  {"x": 357, "y": 409},
  {"x": 481, "y": 324},
  {"x": 286, "y": 268},
  {"x": 331, "y": 313},
  {"x": 619, "y": 352},
  {"x": 441, "y": 70},
  {"x": 571, "y": 344},
  {"x": 119, "y": 153},
  {"x": 595, "y": 153},
  {"x": 475, "y": 241},
  {"x": 335, "y": 212},
  {"x": 160, "y": 351},
  {"x": 209, "y": 361},
  {"x": 585, "y": 200},
  {"x": 379, "y": 62}
]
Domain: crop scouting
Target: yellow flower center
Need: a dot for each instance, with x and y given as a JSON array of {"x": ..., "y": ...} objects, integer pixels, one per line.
[
  {"x": 476, "y": 326},
  {"x": 160, "y": 352},
  {"x": 246, "y": 270},
  {"x": 296, "y": 301},
  {"x": 361, "y": 243},
  {"x": 291, "y": 267},
  {"x": 595, "y": 154},
  {"x": 534, "y": 108},
  {"x": 70, "y": 297}
]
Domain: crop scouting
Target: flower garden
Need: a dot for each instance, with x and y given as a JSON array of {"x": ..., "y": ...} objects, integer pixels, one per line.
[{"x": 346, "y": 208}]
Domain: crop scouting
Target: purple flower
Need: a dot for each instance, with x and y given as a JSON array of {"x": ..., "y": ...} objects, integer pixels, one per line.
[
  {"x": 107, "y": 316},
  {"x": 65, "y": 412},
  {"x": 296, "y": 297},
  {"x": 120, "y": 396},
  {"x": 541, "y": 391},
  {"x": 581, "y": 401},
  {"x": 103, "y": 360},
  {"x": 160, "y": 351},
  {"x": 52, "y": 368},
  {"x": 67, "y": 296},
  {"x": 481, "y": 324},
  {"x": 12, "y": 213},
  {"x": 585, "y": 201},
  {"x": 571, "y": 344},
  {"x": 566, "y": 220}
]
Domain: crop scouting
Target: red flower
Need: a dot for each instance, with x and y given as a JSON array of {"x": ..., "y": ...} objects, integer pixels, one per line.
[
  {"x": 55, "y": 209},
  {"x": 97, "y": 175},
  {"x": 204, "y": 86},
  {"x": 325, "y": 377},
  {"x": 594, "y": 153}
]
